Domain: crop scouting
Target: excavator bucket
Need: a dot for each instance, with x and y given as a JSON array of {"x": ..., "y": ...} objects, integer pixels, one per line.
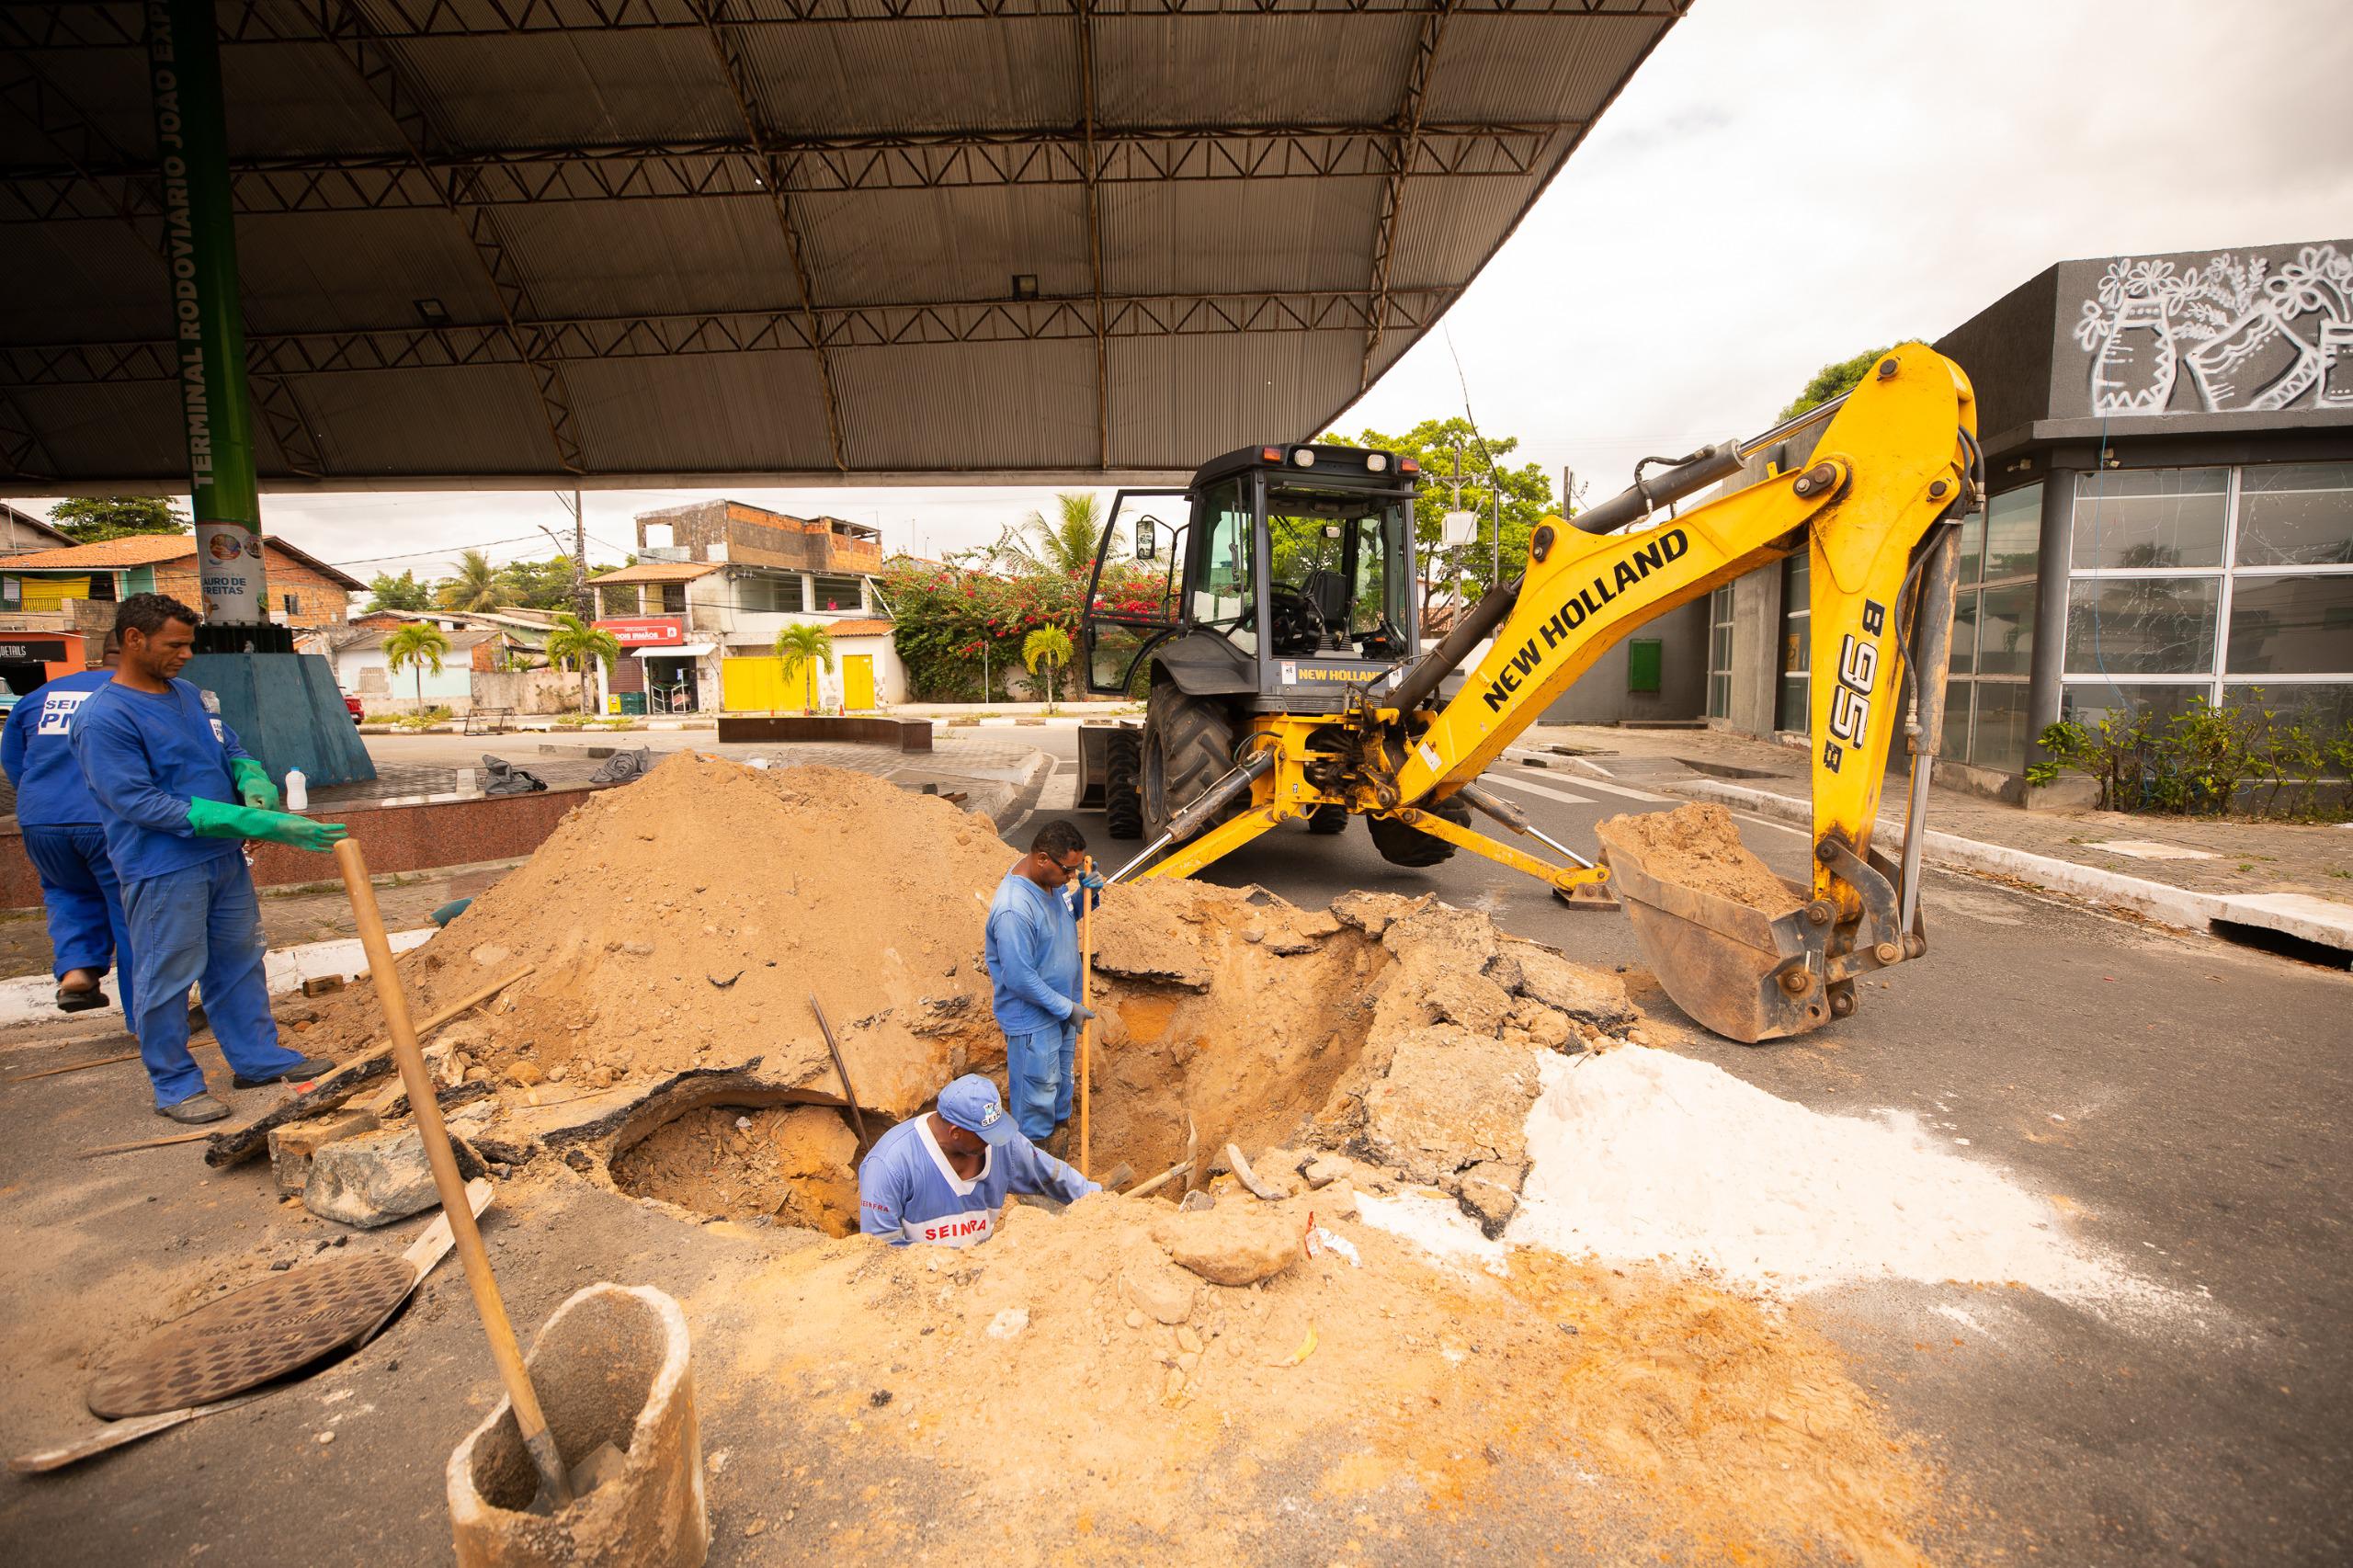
[{"x": 1743, "y": 974}]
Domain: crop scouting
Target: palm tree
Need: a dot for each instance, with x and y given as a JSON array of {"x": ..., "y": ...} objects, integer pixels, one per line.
[
  {"x": 573, "y": 643},
  {"x": 414, "y": 645},
  {"x": 1064, "y": 543},
  {"x": 799, "y": 647},
  {"x": 477, "y": 586},
  {"x": 1049, "y": 645}
]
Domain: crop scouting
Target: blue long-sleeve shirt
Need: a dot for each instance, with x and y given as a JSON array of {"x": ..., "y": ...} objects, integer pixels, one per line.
[
  {"x": 908, "y": 1192},
  {"x": 1032, "y": 951},
  {"x": 39, "y": 756},
  {"x": 145, "y": 756}
]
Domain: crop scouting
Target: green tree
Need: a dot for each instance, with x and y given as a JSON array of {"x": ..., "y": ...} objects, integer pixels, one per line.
[
  {"x": 1049, "y": 645},
  {"x": 800, "y": 646},
  {"x": 541, "y": 584},
  {"x": 1831, "y": 381},
  {"x": 1439, "y": 445},
  {"x": 476, "y": 586},
  {"x": 1064, "y": 543},
  {"x": 414, "y": 646},
  {"x": 89, "y": 520},
  {"x": 574, "y": 644},
  {"x": 403, "y": 593}
]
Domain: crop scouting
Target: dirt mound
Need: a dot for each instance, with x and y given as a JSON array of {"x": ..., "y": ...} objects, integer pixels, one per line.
[
  {"x": 1029, "y": 1372},
  {"x": 1698, "y": 846},
  {"x": 791, "y": 1163}
]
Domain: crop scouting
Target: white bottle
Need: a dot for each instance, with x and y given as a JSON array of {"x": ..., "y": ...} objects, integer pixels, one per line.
[{"x": 298, "y": 789}]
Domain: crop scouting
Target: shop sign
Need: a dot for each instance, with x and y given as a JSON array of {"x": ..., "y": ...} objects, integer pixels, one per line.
[{"x": 652, "y": 631}]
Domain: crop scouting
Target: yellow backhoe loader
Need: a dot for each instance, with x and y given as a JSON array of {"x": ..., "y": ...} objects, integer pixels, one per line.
[{"x": 1283, "y": 678}]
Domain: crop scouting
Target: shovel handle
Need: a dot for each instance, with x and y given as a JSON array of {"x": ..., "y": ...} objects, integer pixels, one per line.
[
  {"x": 1087, "y": 1030},
  {"x": 555, "y": 1486}
]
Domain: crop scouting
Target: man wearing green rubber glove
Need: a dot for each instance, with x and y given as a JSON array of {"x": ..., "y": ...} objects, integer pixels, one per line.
[{"x": 178, "y": 794}]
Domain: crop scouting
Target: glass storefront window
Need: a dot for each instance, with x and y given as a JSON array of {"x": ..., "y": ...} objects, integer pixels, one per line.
[
  {"x": 1972, "y": 549},
  {"x": 2141, "y": 625},
  {"x": 2006, "y": 631},
  {"x": 2322, "y": 707},
  {"x": 1964, "y": 635},
  {"x": 2146, "y": 519},
  {"x": 1999, "y": 737},
  {"x": 2292, "y": 625},
  {"x": 2012, "y": 535},
  {"x": 2296, "y": 514},
  {"x": 2088, "y": 703}
]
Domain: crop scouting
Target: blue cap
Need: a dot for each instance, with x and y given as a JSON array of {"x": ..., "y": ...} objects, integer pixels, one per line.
[{"x": 972, "y": 1103}]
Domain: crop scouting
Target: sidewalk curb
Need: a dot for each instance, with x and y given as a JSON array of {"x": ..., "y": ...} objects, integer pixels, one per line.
[
  {"x": 1024, "y": 800},
  {"x": 28, "y": 999},
  {"x": 2295, "y": 915}
]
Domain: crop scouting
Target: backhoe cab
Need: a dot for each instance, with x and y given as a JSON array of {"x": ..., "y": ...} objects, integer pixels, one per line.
[
  {"x": 1283, "y": 589},
  {"x": 1275, "y": 647}
]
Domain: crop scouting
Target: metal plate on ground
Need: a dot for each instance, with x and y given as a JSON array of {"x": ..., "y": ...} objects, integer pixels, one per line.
[{"x": 251, "y": 1335}]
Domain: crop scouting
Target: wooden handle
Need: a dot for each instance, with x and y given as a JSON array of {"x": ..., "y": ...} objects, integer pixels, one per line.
[
  {"x": 555, "y": 1489},
  {"x": 1087, "y": 1030}
]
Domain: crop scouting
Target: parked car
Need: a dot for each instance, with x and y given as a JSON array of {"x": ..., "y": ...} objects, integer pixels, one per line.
[{"x": 351, "y": 705}]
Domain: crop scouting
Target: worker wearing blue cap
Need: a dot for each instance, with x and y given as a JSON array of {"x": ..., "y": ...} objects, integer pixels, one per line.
[
  {"x": 87, "y": 933},
  {"x": 943, "y": 1178}
]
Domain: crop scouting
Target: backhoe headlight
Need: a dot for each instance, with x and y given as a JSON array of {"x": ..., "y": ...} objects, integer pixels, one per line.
[
  {"x": 1304, "y": 458},
  {"x": 1376, "y": 462}
]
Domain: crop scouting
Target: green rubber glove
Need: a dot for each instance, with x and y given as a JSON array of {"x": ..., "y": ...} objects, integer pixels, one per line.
[
  {"x": 218, "y": 819},
  {"x": 253, "y": 783}
]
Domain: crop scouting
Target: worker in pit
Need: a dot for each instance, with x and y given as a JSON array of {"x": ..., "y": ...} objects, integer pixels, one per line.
[
  {"x": 63, "y": 841},
  {"x": 176, "y": 797},
  {"x": 1032, "y": 953},
  {"x": 943, "y": 1178}
]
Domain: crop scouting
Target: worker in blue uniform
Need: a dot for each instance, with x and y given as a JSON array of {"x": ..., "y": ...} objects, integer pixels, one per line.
[
  {"x": 179, "y": 796},
  {"x": 1031, "y": 948},
  {"x": 943, "y": 1178},
  {"x": 63, "y": 841}
]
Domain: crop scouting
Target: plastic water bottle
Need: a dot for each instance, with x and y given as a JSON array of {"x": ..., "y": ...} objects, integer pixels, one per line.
[{"x": 298, "y": 789}]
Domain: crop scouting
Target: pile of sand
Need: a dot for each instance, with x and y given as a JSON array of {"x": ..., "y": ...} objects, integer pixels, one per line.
[
  {"x": 1091, "y": 1404},
  {"x": 1698, "y": 846}
]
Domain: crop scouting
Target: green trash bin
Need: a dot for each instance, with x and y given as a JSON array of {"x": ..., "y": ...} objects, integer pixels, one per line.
[{"x": 632, "y": 704}]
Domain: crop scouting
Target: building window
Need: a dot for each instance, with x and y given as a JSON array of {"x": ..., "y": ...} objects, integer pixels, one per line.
[
  {"x": 293, "y": 603},
  {"x": 674, "y": 598},
  {"x": 1789, "y": 709},
  {"x": 617, "y": 602},
  {"x": 1992, "y": 631},
  {"x": 2231, "y": 585},
  {"x": 1719, "y": 652},
  {"x": 770, "y": 596},
  {"x": 839, "y": 596}
]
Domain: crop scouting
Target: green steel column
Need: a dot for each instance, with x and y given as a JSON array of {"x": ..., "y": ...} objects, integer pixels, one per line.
[{"x": 200, "y": 247}]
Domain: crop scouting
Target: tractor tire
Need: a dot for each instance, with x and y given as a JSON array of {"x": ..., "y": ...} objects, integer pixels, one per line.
[
  {"x": 1188, "y": 746},
  {"x": 1328, "y": 819},
  {"x": 1400, "y": 844},
  {"x": 1123, "y": 797}
]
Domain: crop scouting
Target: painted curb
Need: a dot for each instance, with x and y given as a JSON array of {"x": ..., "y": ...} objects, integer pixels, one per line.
[
  {"x": 2296, "y": 915},
  {"x": 29, "y": 998},
  {"x": 1036, "y": 770}
]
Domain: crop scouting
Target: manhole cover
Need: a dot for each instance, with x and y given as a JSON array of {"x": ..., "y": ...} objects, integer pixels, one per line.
[{"x": 252, "y": 1336}]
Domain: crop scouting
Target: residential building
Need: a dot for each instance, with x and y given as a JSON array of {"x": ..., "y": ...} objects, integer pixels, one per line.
[
  {"x": 303, "y": 590},
  {"x": 21, "y": 531},
  {"x": 2169, "y": 460},
  {"x": 699, "y": 615}
]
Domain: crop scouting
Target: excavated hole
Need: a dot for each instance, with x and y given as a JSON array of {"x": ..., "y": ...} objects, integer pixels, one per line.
[{"x": 790, "y": 1164}]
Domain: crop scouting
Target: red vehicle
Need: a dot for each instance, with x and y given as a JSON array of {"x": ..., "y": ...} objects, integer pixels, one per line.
[{"x": 351, "y": 705}]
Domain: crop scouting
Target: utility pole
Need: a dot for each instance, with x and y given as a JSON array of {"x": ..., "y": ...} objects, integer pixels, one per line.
[{"x": 580, "y": 603}]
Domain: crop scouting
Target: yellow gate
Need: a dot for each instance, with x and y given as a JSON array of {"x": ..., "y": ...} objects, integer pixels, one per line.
[
  {"x": 857, "y": 682},
  {"x": 751, "y": 685}
]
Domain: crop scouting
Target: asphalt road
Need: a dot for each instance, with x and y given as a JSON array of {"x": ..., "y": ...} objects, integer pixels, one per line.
[{"x": 2207, "y": 1097}]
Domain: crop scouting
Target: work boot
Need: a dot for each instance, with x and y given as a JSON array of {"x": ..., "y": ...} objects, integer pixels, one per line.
[
  {"x": 197, "y": 1108},
  {"x": 1057, "y": 1141},
  {"x": 309, "y": 1067}
]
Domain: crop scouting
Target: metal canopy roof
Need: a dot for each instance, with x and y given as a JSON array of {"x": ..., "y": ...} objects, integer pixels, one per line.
[{"x": 659, "y": 241}]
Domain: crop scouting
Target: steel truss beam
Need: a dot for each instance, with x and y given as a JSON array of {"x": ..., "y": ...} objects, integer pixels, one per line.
[
  {"x": 1408, "y": 132},
  {"x": 820, "y": 165},
  {"x": 118, "y": 24},
  {"x": 741, "y": 332},
  {"x": 387, "y": 83}
]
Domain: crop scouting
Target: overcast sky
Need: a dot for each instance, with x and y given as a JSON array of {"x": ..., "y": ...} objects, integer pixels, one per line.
[{"x": 1785, "y": 183}]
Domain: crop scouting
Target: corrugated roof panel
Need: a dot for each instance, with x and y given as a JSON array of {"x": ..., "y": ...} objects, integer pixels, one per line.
[
  {"x": 292, "y": 99},
  {"x": 484, "y": 420},
  {"x": 125, "y": 432},
  {"x": 615, "y": 258},
  {"x": 900, "y": 246},
  {"x": 575, "y": 88},
  {"x": 1212, "y": 236},
  {"x": 1493, "y": 68},
  {"x": 970, "y": 406},
  {"x": 317, "y": 272},
  {"x": 836, "y": 80},
  {"x": 1246, "y": 70},
  {"x": 89, "y": 281},
  {"x": 1176, "y": 401},
  {"x": 717, "y": 413},
  {"x": 1445, "y": 228},
  {"x": 108, "y": 87}
]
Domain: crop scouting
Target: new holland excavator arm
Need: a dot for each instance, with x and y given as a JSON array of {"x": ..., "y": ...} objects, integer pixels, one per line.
[{"x": 1898, "y": 462}]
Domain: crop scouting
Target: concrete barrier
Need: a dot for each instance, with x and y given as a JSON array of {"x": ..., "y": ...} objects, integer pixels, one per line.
[{"x": 906, "y": 734}]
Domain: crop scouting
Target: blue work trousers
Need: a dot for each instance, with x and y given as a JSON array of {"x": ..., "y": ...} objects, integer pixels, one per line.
[
  {"x": 87, "y": 928},
  {"x": 1040, "y": 1070},
  {"x": 202, "y": 922}
]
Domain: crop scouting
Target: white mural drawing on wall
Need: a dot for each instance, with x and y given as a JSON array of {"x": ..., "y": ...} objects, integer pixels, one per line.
[{"x": 2252, "y": 338}]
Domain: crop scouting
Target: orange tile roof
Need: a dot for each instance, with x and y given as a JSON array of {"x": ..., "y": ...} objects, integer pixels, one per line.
[
  {"x": 658, "y": 571},
  {"x": 867, "y": 628},
  {"x": 149, "y": 549}
]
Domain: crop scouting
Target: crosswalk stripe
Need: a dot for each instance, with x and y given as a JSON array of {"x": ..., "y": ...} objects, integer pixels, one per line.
[
  {"x": 1560, "y": 795},
  {"x": 1585, "y": 783}
]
